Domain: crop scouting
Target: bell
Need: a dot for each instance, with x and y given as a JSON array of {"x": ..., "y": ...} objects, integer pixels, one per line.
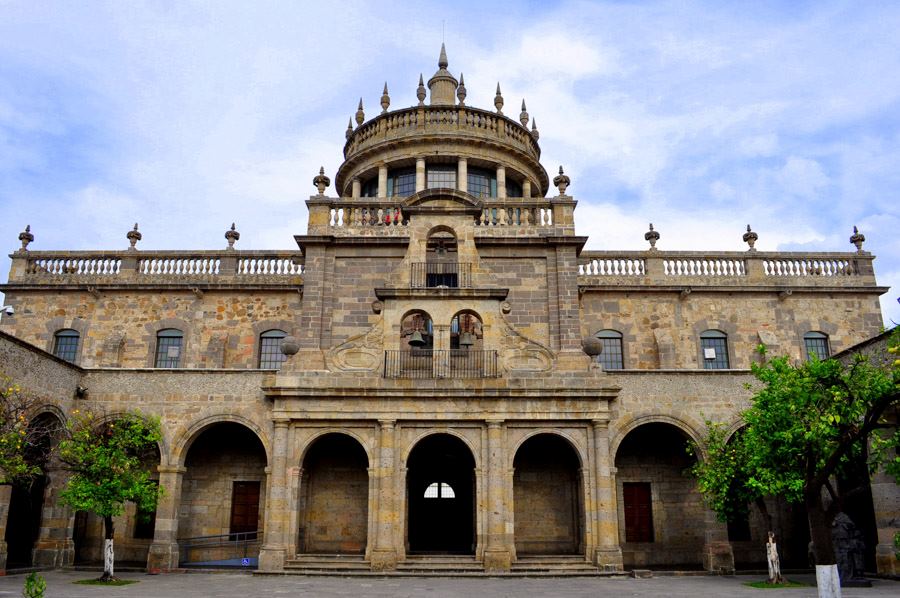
[
  {"x": 416, "y": 340},
  {"x": 466, "y": 339}
]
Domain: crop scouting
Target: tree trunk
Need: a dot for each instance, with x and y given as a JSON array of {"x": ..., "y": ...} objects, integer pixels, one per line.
[
  {"x": 108, "y": 554},
  {"x": 827, "y": 578}
]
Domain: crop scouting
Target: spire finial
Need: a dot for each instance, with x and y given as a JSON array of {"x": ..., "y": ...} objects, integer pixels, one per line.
[
  {"x": 360, "y": 115},
  {"x": 498, "y": 100},
  {"x": 231, "y": 236},
  {"x": 750, "y": 238},
  {"x": 562, "y": 181},
  {"x": 461, "y": 90},
  {"x": 26, "y": 237},
  {"x": 420, "y": 91},
  {"x": 858, "y": 239},
  {"x": 534, "y": 132},
  {"x": 321, "y": 181},
  {"x": 652, "y": 237},
  {"x": 523, "y": 115},
  {"x": 133, "y": 237},
  {"x": 385, "y": 99},
  {"x": 349, "y": 128},
  {"x": 442, "y": 61}
]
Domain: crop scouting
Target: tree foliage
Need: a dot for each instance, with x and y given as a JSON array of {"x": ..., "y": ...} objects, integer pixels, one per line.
[
  {"x": 108, "y": 463},
  {"x": 808, "y": 425},
  {"x": 23, "y": 442}
]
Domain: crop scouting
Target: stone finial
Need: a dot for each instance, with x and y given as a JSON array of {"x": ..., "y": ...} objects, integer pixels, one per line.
[
  {"x": 349, "y": 129},
  {"x": 231, "y": 236},
  {"x": 523, "y": 115},
  {"x": 561, "y": 181},
  {"x": 133, "y": 236},
  {"x": 26, "y": 237},
  {"x": 461, "y": 91},
  {"x": 857, "y": 239},
  {"x": 360, "y": 115},
  {"x": 534, "y": 132},
  {"x": 498, "y": 100},
  {"x": 385, "y": 99},
  {"x": 420, "y": 91},
  {"x": 290, "y": 345},
  {"x": 321, "y": 181},
  {"x": 651, "y": 236},
  {"x": 750, "y": 238},
  {"x": 592, "y": 345},
  {"x": 442, "y": 59}
]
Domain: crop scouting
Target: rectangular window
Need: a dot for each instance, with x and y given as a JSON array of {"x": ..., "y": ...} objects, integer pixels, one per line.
[
  {"x": 66, "y": 346},
  {"x": 816, "y": 346},
  {"x": 479, "y": 184},
  {"x": 715, "y": 353},
  {"x": 402, "y": 184},
  {"x": 638, "y": 512},
  {"x": 244, "y": 510},
  {"x": 441, "y": 177},
  {"x": 168, "y": 351},
  {"x": 611, "y": 356},
  {"x": 270, "y": 355}
]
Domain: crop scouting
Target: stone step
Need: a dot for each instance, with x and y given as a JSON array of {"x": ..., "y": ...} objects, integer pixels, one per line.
[{"x": 332, "y": 563}]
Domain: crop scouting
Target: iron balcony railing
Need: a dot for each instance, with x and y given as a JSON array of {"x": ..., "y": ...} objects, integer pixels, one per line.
[
  {"x": 434, "y": 275},
  {"x": 428, "y": 363}
]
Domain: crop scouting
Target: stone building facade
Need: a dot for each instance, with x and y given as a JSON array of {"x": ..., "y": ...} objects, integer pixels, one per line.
[{"x": 439, "y": 375}]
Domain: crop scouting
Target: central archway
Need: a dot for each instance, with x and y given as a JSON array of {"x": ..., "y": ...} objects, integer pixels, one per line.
[{"x": 440, "y": 497}]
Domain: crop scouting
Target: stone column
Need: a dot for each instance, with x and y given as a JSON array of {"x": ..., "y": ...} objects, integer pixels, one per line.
[
  {"x": 526, "y": 188},
  {"x": 462, "y": 175},
  {"x": 54, "y": 547},
  {"x": 382, "y": 180},
  {"x": 607, "y": 552},
  {"x": 497, "y": 556},
  {"x": 384, "y": 557},
  {"x": 163, "y": 554},
  {"x": 420, "y": 174},
  {"x": 717, "y": 554},
  {"x": 886, "y": 504},
  {"x": 273, "y": 552},
  {"x": 501, "y": 181},
  {"x": 356, "y": 187},
  {"x": 5, "y": 496}
]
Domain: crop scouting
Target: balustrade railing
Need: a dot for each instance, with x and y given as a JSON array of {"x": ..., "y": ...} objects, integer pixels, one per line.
[
  {"x": 129, "y": 267},
  {"x": 744, "y": 268},
  {"x": 432, "y": 275},
  {"x": 428, "y": 363}
]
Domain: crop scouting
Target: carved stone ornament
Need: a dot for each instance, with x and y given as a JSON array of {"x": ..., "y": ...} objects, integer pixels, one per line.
[
  {"x": 290, "y": 345},
  {"x": 523, "y": 115},
  {"x": 385, "y": 99},
  {"x": 26, "y": 237},
  {"x": 377, "y": 307},
  {"x": 562, "y": 181},
  {"x": 651, "y": 236},
  {"x": 133, "y": 236},
  {"x": 361, "y": 353},
  {"x": 520, "y": 353},
  {"x": 420, "y": 90},
  {"x": 857, "y": 239},
  {"x": 360, "y": 115},
  {"x": 498, "y": 100},
  {"x": 750, "y": 238},
  {"x": 349, "y": 132},
  {"x": 461, "y": 91},
  {"x": 592, "y": 345},
  {"x": 535, "y": 134},
  {"x": 321, "y": 181},
  {"x": 231, "y": 236},
  {"x": 506, "y": 307}
]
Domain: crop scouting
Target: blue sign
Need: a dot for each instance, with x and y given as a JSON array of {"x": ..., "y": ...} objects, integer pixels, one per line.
[{"x": 245, "y": 562}]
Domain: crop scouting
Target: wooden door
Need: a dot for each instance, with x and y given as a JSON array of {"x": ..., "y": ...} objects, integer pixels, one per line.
[
  {"x": 244, "y": 509},
  {"x": 638, "y": 512}
]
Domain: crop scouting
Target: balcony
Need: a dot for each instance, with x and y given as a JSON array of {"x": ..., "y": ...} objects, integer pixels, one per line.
[
  {"x": 428, "y": 363},
  {"x": 438, "y": 275}
]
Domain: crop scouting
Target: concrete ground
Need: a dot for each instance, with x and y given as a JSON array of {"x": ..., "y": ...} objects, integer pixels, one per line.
[{"x": 196, "y": 585}]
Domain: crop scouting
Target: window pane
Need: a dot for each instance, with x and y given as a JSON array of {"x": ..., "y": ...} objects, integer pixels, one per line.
[
  {"x": 816, "y": 344},
  {"x": 611, "y": 356},
  {"x": 168, "y": 349},
  {"x": 270, "y": 354},
  {"x": 513, "y": 189},
  {"x": 402, "y": 183},
  {"x": 479, "y": 183},
  {"x": 432, "y": 491},
  {"x": 715, "y": 353},
  {"x": 441, "y": 176},
  {"x": 65, "y": 345}
]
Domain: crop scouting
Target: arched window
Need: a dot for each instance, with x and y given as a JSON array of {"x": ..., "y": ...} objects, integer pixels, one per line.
[
  {"x": 816, "y": 343},
  {"x": 466, "y": 331},
  {"x": 65, "y": 344},
  {"x": 611, "y": 356},
  {"x": 439, "y": 490},
  {"x": 441, "y": 260},
  {"x": 417, "y": 333},
  {"x": 714, "y": 348},
  {"x": 270, "y": 354},
  {"x": 168, "y": 348}
]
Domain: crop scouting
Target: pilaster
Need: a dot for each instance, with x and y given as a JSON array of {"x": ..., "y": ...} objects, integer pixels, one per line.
[
  {"x": 272, "y": 554},
  {"x": 5, "y": 496},
  {"x": 384, "y": 556},
  {"x": 54, "y": 547},
  {"x": 607, "y": 552},
  {"x": 718, "y": 556},
  {"x": 497, "y": 556},
  {"x": 163, "y": 553}
]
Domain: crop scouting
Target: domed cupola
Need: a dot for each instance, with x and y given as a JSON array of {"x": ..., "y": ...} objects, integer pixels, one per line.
[{"x": 443, "y": 84}]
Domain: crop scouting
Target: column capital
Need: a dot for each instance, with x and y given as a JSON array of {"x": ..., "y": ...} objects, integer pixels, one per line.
[
  {"x": 387, "y": 423},
  {"x": 281, "y": 422},
  {"x": 494, "y": 423},
  {"x": 170, "y": 469},
  {"x": 602, "y": 424}
]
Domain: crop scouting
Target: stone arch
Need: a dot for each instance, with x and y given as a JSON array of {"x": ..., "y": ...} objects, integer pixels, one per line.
[
  {"x": 54, "y": 325},
  {"x": 425, "y": 195},
  {"x": 183, "y": 439},
  {"x": 346, "y": 432},
  {"x": 688, "y": 425},
  {"x": 404, "y": 458},
  {"x": 580, "y": 450}
]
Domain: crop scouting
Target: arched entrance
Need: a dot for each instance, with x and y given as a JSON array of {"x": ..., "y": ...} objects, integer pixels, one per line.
[
  {"x": 222, "y": 496},
  {"x": 440, "y": 497},
  {"x": 334, "y": 497},
  {"x": 27, "y": 499},
  {"x": 661, "y": 513},
  {"x": 547, "y": 496}
]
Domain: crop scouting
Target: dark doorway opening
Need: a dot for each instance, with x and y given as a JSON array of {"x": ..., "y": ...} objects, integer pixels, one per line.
[
  {"x": 547, "y": 494},
  {"x": 440, "y": 497},
  {"x": 24, "y": 523}
]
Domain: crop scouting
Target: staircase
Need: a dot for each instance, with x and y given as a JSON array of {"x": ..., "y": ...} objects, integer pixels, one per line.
[
  {"x": 439, "y": 566},
  {"x": 327, "y": 564},
  {"x": 555, "y": 566}
]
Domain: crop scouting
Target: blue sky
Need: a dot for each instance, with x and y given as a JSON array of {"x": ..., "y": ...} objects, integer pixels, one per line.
[{"x": 701, "y": 117}]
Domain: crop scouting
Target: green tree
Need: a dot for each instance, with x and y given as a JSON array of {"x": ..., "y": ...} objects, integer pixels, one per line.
[
  {"x": 107, "y": 461},
  {"x": 23, "y": 442},
  {"x": 809, "y": 424}
]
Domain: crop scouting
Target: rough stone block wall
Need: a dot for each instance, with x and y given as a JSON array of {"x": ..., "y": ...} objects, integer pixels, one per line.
[
  {"x": 525, "y": 276},
  {"x": 128, "y": 549},
  {"x": 352, "y": 288},
  {"x": 547, "y": 516},
  {"x": 335, "y": 508}
]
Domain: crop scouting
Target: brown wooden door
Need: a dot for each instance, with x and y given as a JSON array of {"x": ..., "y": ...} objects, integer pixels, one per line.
[
  {"x": 638, "y": 512},
  {"x": 244, "y": 508}
]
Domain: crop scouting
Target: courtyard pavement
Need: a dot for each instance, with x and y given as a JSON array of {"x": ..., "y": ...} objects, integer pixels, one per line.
[{"x": 196, "y": 585}]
